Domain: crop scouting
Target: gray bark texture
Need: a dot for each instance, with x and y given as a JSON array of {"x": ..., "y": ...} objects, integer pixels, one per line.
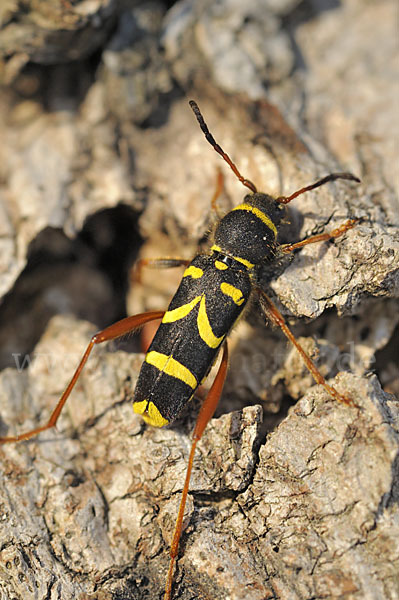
[{"x": 293, "y": 496}]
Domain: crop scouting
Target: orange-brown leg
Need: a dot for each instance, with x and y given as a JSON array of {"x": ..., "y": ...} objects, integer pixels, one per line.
[
  {"x": 109, "y": 333},
  {"x": 156, "y": 263},
  {"x": 169, "y": 262},
  {"x": 205, "y": 415},
  {"x": 322, "y": 237},
  {"x": 272, "y": 312},
  {"x": 218, "y": 190}
]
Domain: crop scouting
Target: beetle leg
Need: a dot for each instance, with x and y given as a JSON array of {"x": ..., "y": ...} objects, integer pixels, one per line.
[
  {"x": 205, "y": 415},
  {"x": 112, "y": 332}
]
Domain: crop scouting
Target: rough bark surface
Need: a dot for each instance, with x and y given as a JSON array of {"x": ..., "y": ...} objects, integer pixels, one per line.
[
  {"x": 88, "y": 511},
  {"x": 100, "y": 150}
]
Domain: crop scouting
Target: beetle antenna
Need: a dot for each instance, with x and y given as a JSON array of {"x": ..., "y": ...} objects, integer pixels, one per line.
[
  {"x": 209, "y": 137},
  {"x": 331, "y": 177}
]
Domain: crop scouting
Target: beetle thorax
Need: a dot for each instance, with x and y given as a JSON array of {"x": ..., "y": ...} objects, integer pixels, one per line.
[{"x": 249, "y": 231}]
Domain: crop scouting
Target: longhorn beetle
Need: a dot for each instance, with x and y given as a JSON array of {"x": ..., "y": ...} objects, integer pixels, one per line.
[{"x": 214, "y": 290}]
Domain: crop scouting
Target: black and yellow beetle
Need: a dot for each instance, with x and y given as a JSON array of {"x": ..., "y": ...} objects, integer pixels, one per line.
[
  {"x": 215, "y": 288},
  {"x": 211, "y": 297}
]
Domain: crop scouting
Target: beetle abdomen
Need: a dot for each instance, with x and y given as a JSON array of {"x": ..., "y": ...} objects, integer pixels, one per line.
[{"x": 209, "y": 300}]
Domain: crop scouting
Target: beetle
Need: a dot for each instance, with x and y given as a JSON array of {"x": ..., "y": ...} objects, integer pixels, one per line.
[{"x": 215, "y": 289}]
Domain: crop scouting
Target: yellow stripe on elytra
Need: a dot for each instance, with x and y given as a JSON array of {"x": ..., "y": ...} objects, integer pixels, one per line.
[
  {"x": 205, "y": 329},
  {"x": 150, "y": 413},
  {"x": 220, "y": 265},
  {"x": 172, "y": 367},
  {"x": 234, "y": 293},
  {"x": 194, "y": 272},
  {"x": 258, "y": 213},
  {"x": 180, "y": 312}
]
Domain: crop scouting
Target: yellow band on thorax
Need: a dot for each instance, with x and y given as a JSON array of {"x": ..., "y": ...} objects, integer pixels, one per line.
[
  {"x": 258, "y": 213},
  {"x": 243, "y": 261}
]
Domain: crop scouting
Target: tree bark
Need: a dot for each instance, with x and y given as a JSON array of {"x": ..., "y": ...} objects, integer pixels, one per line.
[{"x": 99, "y": 150}]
